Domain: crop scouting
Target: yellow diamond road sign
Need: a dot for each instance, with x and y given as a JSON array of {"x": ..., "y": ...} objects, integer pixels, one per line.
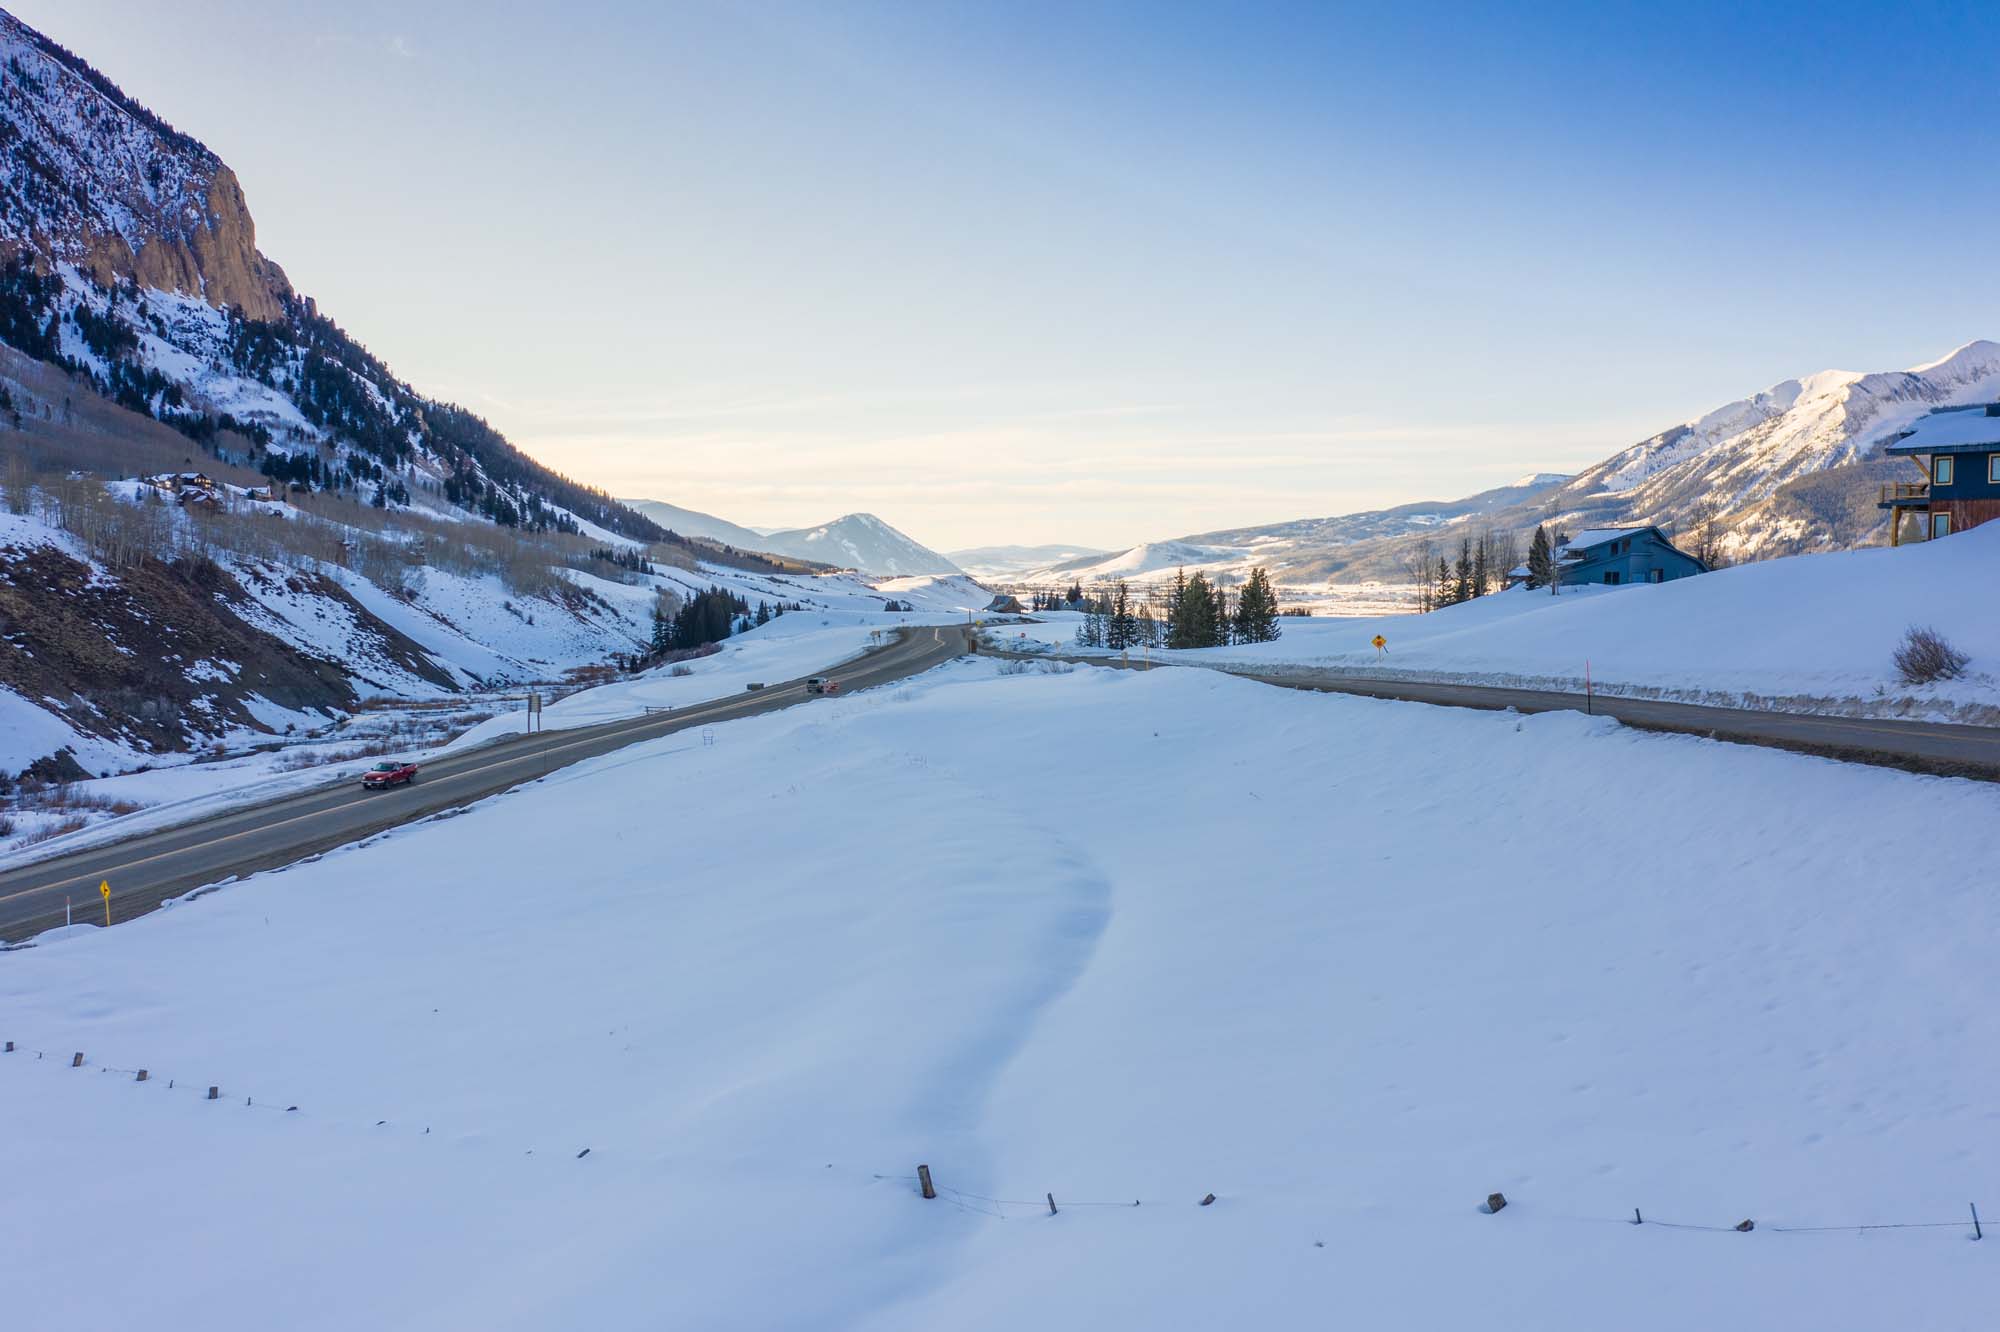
[{"x": 104, "y": 889}]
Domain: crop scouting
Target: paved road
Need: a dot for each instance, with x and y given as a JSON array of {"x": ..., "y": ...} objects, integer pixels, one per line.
[
  {"x": 147, "y": 868},
  {"x": 1942, "y": 748}
]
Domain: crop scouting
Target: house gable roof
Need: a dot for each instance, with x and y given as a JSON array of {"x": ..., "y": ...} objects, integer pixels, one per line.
[{"x": 1949, "y": 430}]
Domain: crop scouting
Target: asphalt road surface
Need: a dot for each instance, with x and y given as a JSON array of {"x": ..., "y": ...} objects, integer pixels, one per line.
[
  {"x": 145, "y": 869},
  {"x": 1942, "y": 748}
]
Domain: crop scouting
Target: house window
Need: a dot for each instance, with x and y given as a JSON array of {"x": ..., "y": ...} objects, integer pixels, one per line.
[
  {"x": 1940, "y": 525},
  {"x": 1611, "y": 575},
  {"x": 1941, "y": 470},
  {"x": 1659, "y": 575},
  {"x": 1993, "y": 469}
]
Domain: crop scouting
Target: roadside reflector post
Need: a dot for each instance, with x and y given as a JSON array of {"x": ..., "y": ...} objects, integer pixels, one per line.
[
  {"x": 76, "y": 1060},
  {"x": 924, "y": 1178},
  {"x": 1052, "y": 1204},
  {"x": 1977, "y": 1233}
]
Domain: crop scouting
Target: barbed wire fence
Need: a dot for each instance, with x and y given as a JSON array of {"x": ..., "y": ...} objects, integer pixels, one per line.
[{"x": 966, "y": 1200}]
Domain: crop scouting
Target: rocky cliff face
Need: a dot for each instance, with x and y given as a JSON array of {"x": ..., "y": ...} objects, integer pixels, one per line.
[{"x": 93, "y": 179}]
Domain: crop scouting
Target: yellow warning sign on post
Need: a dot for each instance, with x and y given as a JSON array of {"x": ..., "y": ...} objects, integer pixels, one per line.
[
  {"x": 1381, "y": 644},
  {"x": 104, "y": 891}
]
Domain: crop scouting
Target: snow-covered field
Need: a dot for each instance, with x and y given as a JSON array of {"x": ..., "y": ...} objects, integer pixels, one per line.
[
  {"x": 1811, "y": 631},
  {"x": 1349, "y": 965}
]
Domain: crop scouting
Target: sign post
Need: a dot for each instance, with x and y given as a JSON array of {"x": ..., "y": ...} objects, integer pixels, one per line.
[{"x": 104, "y": 890}]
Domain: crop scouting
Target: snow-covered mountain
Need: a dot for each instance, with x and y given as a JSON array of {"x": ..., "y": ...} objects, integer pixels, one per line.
[
  {"x": 1010, "y": 561},
  {"x": 860, "y": 541},
  {"x": 695, "y": 523},
  {"x": 1761, "y": 464},
  {"x": 1307, "y": 550},
  {"x": 131, "y": 260},
  {"x": 1788, "y": 470}
]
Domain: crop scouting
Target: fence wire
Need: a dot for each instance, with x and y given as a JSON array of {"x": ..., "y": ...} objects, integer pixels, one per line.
[{"x": 982, "y": 1204}]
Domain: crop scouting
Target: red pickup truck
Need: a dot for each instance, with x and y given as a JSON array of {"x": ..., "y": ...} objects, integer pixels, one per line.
[{"x": 385, "y": 775}]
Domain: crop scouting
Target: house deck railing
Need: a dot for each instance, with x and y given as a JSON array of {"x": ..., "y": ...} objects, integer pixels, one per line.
[{"x": 1893, "y": 491}]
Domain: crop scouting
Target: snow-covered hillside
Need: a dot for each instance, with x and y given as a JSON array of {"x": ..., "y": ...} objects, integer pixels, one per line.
[
  {"x": 671, "y": 1031},
  {"x": 1014, "y": 561},
  {"x": 1812, "y": 632},
  {"x": 272, "y": 642},
  {"x": 1303, "y": 555}
]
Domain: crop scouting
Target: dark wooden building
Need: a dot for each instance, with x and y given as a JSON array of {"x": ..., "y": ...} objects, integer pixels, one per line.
[{"x": 1958, "y": 449}]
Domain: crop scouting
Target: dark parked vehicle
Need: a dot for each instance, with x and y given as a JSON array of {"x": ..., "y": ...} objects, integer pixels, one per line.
[{"x": 385, "y": 775}]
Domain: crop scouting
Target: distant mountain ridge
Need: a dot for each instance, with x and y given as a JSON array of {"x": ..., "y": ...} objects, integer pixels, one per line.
[
  {"x": 1007, "y": 561},
  {"x": 859, "y": 541},
  {"x": 695, "y": 523},
  {"x": 1305, "y": 550},
  {"x": 1788, "y": 470}
]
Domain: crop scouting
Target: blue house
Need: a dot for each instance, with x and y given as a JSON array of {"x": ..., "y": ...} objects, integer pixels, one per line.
[
  {"x": 1615, "y": 556},
  {"x": 1958, "y": 449}
]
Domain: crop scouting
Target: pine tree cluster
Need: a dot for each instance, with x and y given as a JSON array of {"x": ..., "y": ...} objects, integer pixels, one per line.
[
  {"x": 706, "y": 617},
  {"x": 1199, "y": 614}
]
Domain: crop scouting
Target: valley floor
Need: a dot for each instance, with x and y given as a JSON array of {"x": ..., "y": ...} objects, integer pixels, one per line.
[{"x": 1349, "y": 965}]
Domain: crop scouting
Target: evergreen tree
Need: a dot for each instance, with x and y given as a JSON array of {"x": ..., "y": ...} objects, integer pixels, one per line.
[
  {"x": 1482, "y": 564},
  {"x": 1218, "y": 619},
  {"x": 1177, "y": 601},
  {"x": 1540, "y": 562},
  {"x": 1122, "y": 629},
  {"x": 1257, "y": 609},
  {"x": 1461, "y": 574},
  {"x": 1148, "y": 627}
]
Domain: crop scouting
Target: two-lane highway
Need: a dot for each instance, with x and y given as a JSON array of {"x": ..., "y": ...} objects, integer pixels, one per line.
[{"x": 146, "y": 869}]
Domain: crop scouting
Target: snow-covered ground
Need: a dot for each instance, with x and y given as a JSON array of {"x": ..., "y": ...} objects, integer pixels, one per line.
[
  {"x": 1811, "y": 631},
  {"x": 474, "y": 633},
  {"x": 793, "y": 645},
  {"x": 1348, "y": 965}
]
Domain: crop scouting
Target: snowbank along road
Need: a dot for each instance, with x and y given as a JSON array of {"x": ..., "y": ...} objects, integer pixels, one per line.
[
  {"x": 145, "y": 870},
  {"x": 1948, "y": 749}
]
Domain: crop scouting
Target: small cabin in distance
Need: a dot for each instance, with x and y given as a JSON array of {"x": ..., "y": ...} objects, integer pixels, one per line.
[{"x": 1958, "y": 451}]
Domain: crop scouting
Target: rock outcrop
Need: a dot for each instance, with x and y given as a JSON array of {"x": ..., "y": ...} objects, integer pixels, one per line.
[{"x": 93, "y": 179}]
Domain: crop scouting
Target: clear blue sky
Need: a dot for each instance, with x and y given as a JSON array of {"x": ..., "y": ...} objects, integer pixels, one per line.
[{"x": 1094, "y": 272}]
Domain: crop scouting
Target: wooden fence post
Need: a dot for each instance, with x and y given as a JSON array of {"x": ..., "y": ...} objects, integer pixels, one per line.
[{"x": 924, "y": 1178}]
